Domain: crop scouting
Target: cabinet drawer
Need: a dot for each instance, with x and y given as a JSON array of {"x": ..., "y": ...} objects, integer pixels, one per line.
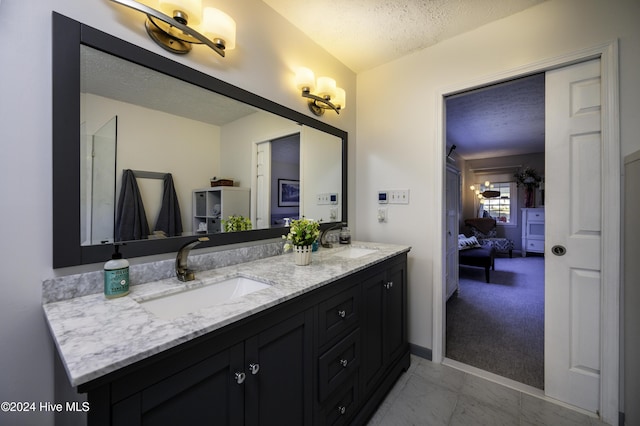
[
  {"x": 535, "y": 245},
  {"x": 535, "y": 215},
  {"x": 338, "y": 314},
  {"x": 337, "y": 364},
  {"x": 343, "y": 404}
]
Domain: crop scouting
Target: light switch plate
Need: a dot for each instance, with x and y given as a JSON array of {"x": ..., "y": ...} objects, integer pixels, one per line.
[{"x": 394, "y": 196}]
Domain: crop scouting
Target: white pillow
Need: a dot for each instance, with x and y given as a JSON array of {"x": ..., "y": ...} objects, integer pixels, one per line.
[{"x": 467, "y": 243}]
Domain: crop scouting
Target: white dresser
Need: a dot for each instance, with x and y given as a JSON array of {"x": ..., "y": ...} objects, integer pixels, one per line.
[{"x": 532, "y": 231}]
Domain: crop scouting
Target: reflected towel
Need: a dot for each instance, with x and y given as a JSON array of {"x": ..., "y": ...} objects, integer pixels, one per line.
[
  {"x": 131, "y": 219},
  {"x": 169, "y": 219}
]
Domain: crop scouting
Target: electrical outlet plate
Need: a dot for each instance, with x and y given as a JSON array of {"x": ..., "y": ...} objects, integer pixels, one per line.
[{"x": 382, "y": 214}]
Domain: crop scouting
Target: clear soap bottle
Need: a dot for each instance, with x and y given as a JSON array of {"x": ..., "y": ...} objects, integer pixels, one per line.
[
  {"x": 116, "y": 276},
  {"x": 345, "y": 235}
]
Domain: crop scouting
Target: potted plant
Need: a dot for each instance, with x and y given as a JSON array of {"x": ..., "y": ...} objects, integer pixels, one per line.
[
  {"x": 302, "y": 234},
  {"x": 530, "y": 180},
  {"x": 236, "y": 223}
]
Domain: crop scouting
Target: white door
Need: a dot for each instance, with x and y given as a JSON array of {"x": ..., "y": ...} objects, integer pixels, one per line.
[
  {"x": 573, "y": 234},
  {"x": 263, "y": 185},
  {"x": 453, "y": 214}
]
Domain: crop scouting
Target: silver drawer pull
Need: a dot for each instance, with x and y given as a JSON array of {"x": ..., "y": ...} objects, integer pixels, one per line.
[
  {"x": 342, "y": 409},
  {"x": 342, "y": 313},
  {"x": 344, "y": 362},
  {"x": 388, "y": 285},
  {"x": 240, "y": 377},
  {"x": 254, "y": 368}
]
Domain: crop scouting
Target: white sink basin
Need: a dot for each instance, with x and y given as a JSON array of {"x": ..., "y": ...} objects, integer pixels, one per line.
[
  {"x": 174, "y": 305},
  {"x": 355, "y": 252}
]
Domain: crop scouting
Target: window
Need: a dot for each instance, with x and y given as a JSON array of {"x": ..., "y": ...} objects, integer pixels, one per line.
[{"x": 501, "y": 207}]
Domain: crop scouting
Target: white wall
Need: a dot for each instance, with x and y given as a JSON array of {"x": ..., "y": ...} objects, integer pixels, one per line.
[
  {"x": 397, "y": 137},
  {"x": 238, "y": 140},
  {"x": 321, "y": 169},
  {"x": 268, "y": 52},
  {"x": 154, "y": 141}
]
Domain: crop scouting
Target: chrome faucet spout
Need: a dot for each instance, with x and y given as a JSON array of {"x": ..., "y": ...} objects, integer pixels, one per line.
[
  {"x": 182, "y": 271},
  {"x": 325, "y": 244}
]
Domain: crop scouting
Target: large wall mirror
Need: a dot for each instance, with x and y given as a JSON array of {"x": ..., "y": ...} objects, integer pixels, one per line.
[{"x": 152, "y": 153}]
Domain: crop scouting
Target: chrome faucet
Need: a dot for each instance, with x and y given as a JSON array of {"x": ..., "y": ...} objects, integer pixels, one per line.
[
  {"x": 182, "y": 272},
  {"x": 325, "y": 244}
]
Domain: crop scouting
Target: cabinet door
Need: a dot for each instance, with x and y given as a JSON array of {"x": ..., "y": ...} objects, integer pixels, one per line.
[
  {"x": 205, "y": 393},
  {"x": 395, "y": 327},
  {"x": 384, "y": 323},
  {"x": 373, "y": 295},
  {"x": 278, "y": 388}
]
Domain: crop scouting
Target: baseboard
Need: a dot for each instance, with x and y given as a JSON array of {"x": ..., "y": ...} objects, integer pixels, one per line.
[{"x": 420, "y": 351}]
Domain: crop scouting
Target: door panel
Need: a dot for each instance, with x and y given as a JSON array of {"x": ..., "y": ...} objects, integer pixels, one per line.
[
  {"x": 572, "y": 280},
  {"x": 453, "y": 214},
  {"x": 263, "y": 186}
]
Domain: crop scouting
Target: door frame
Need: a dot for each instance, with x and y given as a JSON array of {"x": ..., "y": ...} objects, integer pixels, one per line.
[
  {"x": 269, "y": 137},
  {"x": 611, "y": 223}
]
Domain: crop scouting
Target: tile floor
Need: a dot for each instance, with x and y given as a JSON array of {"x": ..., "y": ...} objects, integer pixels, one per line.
[{"x": 436, "y": 394}]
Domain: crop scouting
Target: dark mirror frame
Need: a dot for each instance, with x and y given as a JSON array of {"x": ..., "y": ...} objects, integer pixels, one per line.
[{"x": 68, "y": 35}]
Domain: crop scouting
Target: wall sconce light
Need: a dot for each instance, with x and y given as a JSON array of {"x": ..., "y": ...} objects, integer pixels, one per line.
[
  {"x": 173, "y": 27},
  {"x": 322, "y": 95}
]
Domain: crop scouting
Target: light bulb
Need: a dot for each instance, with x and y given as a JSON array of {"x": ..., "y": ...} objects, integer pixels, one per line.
[
  {"x": 326, "y": 87},
  {"x": 218, "y": 25},
  {"x": 305, "y": 79},
  {"x": 340, "y": 99}
]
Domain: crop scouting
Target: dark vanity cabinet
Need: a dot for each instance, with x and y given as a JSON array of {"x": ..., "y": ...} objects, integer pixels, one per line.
[
  {"x": 385, "y": 332},
  {"x": 266, "y": 376},
  {"x": 326, "y": 357}
]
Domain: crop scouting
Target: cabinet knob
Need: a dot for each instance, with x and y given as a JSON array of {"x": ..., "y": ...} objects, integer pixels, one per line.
[
  {"x": 388, "y": 285},
  {"x": 342, "y": 409},
  {"x": 254, "y": 368},
  {"x": 344, "y": 362},
  {"x": 240, "y": 377},
  {"x": 342, "y": 313}
]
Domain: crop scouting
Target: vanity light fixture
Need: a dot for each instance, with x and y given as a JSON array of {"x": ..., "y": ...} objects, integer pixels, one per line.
[
  {"x": 322, "y": 94},
  {"x": 173, "y": 26}
]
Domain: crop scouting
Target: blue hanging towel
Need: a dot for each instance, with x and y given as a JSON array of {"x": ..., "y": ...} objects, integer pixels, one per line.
[
  {"x": 131, "y": 219},
  {"x": 169, "y": 219}
]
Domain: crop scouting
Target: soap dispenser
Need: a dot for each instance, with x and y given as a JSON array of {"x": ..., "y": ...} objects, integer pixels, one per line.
[{"x": 116, "y": 275}]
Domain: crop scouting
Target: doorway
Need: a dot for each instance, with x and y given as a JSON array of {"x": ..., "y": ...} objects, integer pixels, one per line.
[
  {"x": 608, "y": 312},
  {"x": 495, "y": 319}
]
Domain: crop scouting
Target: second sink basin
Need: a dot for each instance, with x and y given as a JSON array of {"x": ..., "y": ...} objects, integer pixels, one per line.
[
  {"x": 354, "y": 252},
  {"x": 174, "y": 305}
]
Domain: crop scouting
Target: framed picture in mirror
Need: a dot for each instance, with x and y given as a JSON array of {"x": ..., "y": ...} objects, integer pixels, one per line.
[{"x": 288, "y": 193}]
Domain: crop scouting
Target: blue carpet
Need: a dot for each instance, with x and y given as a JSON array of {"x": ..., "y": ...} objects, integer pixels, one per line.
[{"x": 499, "y": 326}]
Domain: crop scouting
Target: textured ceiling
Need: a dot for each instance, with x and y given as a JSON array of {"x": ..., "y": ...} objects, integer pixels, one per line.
[
  {"x": 124, "y": 81},
  {"x": 363, "y": 34},
  {"x": 500, "y": 120}
]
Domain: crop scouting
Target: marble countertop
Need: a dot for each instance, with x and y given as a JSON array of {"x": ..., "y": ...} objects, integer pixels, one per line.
[{"x": 96, "y": 336}]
